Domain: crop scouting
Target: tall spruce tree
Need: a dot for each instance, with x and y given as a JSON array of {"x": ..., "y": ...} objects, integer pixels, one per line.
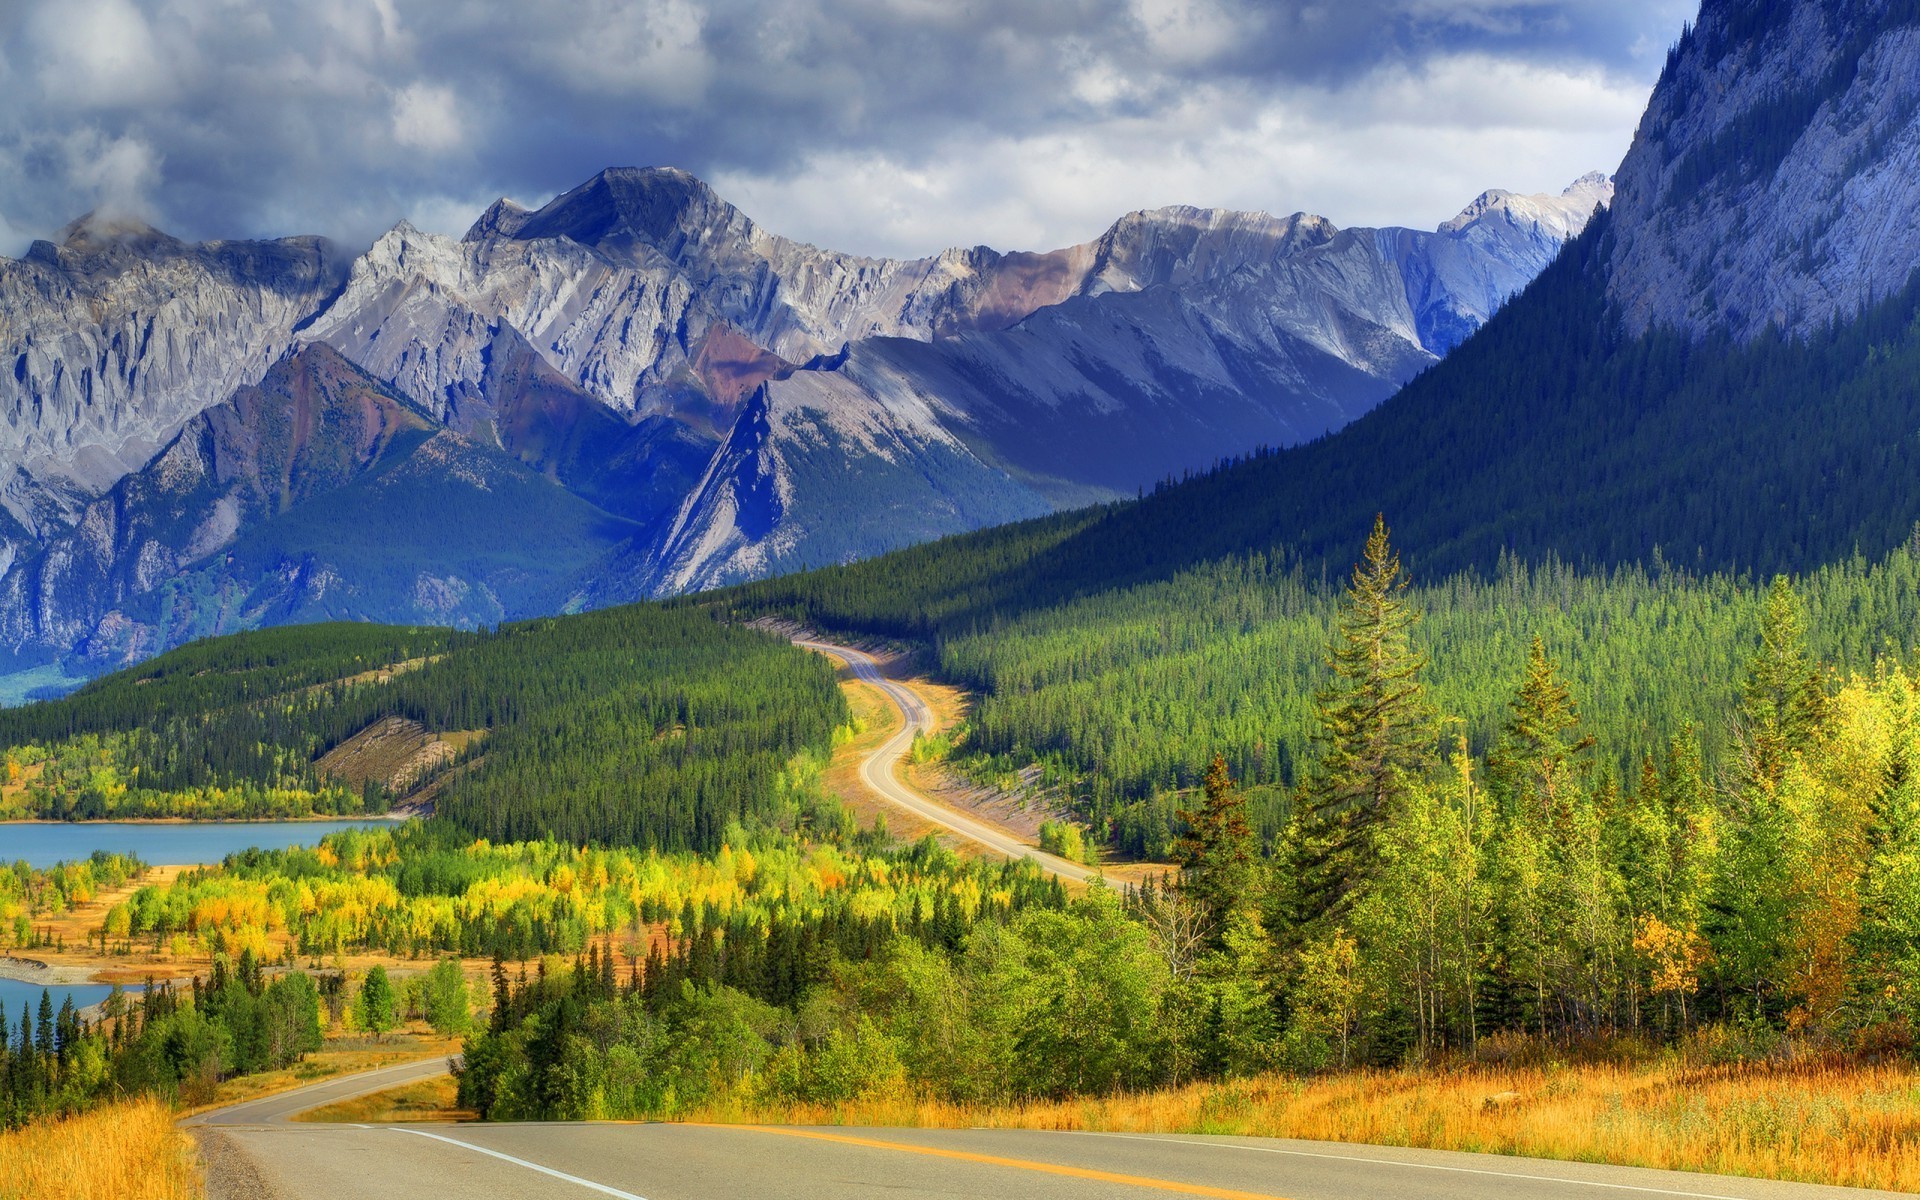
[
  {"x": 1376, "y": 730},
  {"x": 1783, "y": 700},
  {"x": 1217, "y": 853},
  {"x": 1538, "y": 746}
]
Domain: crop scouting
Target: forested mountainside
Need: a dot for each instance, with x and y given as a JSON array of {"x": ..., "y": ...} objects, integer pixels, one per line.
[
  {"x": 1548, "y": 434},
  {"x": 635, "y": 726},
  {"x": 701, "y": 399}
]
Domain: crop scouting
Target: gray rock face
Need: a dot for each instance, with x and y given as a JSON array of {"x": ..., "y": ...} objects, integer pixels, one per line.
[
  {"x": 118, "y": 336},
  {"x": 312, "y": 425},
  {"x": 1771, "y": 183},
  {"x": 732, "y": 401}
]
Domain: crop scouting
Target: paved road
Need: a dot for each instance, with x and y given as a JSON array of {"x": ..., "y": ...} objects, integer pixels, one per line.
[
  {"x": 278, "y": 1109},
  {"x": 880, "y": 774},
  {"x": 279, "y": 1160}
]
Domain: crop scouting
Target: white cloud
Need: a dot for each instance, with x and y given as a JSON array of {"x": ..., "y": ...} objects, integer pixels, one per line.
[
  {"x": 98, "y": 54},
  {"x": 115, "y": 173},
  {"x": 1396, "y": 147},
  {"x": 876, "y": 125},
  {"x": 427, "y": 117},
  {"x": 1188, "y": 32},
  {"x": 617, "y": 48}
]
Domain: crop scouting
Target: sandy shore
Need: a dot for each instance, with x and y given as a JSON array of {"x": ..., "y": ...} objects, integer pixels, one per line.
[{"x": 32, "y": 970}]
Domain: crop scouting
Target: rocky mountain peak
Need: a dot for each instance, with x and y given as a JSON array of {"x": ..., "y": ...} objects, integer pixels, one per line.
[
  {"x": 1562, "y": 215},
  {"x": 107, "y": 241},
  {"x": 502, "y": 219},
  {"x": 97, "y": 230},
  {"x": 663, "y": 207},
  {"x": 1181, "y": 243}
]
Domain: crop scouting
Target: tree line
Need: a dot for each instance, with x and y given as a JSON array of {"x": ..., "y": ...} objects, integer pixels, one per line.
[{"x": 163, "y": 1040}]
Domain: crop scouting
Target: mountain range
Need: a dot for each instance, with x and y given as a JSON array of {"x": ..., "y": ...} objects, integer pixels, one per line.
[{"x": 637, "y": 391}]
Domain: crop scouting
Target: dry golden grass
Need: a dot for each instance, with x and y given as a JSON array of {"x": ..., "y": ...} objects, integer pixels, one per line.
[
  {"x": 130, "y": 1151},
  {"x": 428, "y": 1100},
  {"x": 1816, "y": 1122}
]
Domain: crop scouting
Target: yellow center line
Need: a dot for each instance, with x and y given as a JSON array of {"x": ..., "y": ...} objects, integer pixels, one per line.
[{"x": 1019, "y": 1164}]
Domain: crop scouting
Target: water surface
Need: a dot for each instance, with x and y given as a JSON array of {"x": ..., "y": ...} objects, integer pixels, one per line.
[
  {"x": 14, "y": 993},
  {"x": 191, "y": 842}
]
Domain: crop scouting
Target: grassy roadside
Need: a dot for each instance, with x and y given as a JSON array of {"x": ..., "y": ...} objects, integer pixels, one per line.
[
  {"x": 129, "y": 1151},
  {"x": 133, "y": 1150},
  {"x": 427, "y": 1100},
  {"x": 1815, "y": 1122}
]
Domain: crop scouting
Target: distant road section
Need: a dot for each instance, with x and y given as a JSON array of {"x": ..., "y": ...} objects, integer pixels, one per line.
[
  {"x": 279, "y": 1108},
  {"x": 881, "y": 770},
  {"x": 255, "y": 1153}
]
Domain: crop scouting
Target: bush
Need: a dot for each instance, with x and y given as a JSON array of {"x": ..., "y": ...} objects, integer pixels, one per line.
[
  {"x": 376, "y": 1012},
  {"x": 1065, "y": 840},
  {"x": 447, "y": 1002}
]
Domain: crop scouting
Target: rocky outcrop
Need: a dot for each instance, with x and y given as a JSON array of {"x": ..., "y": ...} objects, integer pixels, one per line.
[
  {"x": 115, "y": 338},
  {"x": 1771, "y": 184},
  {"x": 313, "y": 424}
]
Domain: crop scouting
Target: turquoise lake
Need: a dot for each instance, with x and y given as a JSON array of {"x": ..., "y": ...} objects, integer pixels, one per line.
[
  {"x": 46, "y": 843},
  {"x": 14, "y": 993}
]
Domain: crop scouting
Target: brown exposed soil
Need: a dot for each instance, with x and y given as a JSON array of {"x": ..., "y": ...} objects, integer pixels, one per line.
[
  {"x": 732, "y": 366},
  {"x": 394, "y": 752}
]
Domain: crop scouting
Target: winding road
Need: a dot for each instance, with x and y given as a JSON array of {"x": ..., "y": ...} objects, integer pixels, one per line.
[
  {"x": 255, "y": 1152},
  {"x": 881, "y": 770}
]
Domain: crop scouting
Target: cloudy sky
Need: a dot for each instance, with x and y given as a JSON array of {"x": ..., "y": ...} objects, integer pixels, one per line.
[{"x": 884, "y": 126}]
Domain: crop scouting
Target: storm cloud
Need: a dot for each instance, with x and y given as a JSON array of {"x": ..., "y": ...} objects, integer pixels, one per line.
[{"x": 885, "y": 126}]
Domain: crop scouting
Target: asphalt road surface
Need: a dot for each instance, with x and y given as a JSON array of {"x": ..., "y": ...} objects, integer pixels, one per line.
[
  {"x": 256, "y": 1153},
  {"x": 879, "y": 771}
]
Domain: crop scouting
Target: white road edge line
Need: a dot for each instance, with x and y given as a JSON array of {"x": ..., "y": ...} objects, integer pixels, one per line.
[
  {"x": 521, "y": 1162},
  {"x": 1418, "y": 1166}
]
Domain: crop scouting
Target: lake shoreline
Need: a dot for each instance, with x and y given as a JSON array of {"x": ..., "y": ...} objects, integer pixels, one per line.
[
  {"x": 397, "y": 816},
  {"x": 41, "y": 844}
]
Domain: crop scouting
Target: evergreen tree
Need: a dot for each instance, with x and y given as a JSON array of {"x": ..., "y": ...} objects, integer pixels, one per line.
[
  {"x": 1532, "y": 764},
  {"x": 1783, "y": 700},
  {"x": 1553, "y": 890},
  {"x": 1376, "y": 730},
  {"x": 377, "y": 1002},
  {"x": 1217, "y": 852},
  {"x": 500, "y": 1011}
]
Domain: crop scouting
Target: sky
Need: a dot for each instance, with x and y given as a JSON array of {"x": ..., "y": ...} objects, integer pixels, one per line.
[{"x": 873, "y": 126}]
